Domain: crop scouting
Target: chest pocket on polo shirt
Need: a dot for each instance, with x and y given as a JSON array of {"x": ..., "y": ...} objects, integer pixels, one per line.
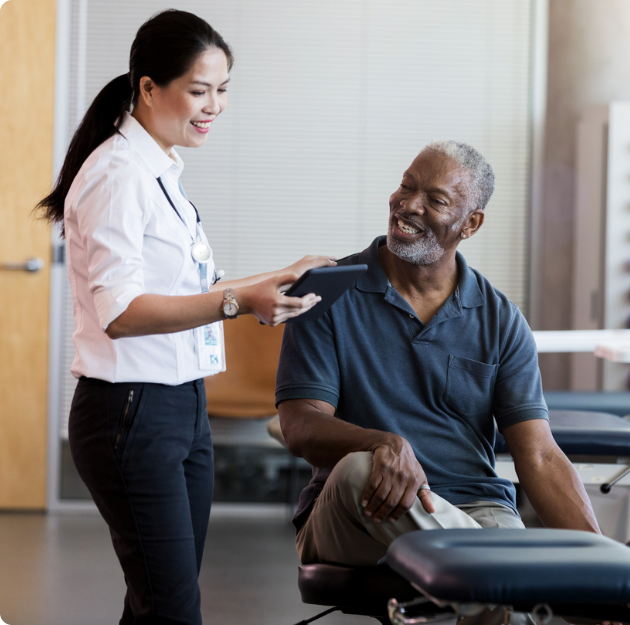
[{"x": 469, "y": 386}]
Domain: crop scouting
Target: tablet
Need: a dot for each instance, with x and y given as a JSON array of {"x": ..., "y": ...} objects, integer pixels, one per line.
[{"x": 328, "y": 282}]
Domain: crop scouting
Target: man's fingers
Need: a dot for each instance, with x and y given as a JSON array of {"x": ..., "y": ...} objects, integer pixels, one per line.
[
  {"x": 390, "y": 503},
  {"x": 375, "y": 493},
  {"x": 407, "y": 500},
  {"x": 425, "y": 498},
  {"x": 378, "y": 499}
]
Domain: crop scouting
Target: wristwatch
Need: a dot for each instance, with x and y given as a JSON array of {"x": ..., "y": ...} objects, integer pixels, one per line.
[{"x": 230, "y": 305}]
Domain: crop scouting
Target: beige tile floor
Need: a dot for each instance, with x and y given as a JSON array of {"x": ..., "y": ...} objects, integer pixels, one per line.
[{"x": 61, "y": 570}]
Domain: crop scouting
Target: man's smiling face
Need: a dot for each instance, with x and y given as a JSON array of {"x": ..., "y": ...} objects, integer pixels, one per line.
[{"x": 429, "y": 207}]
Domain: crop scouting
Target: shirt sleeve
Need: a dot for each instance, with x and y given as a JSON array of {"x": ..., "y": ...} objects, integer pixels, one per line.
[
  {"x": 111, "y": 219},
  {"x": 518, "y": 394},
  {"x": 308, "y": 366}
]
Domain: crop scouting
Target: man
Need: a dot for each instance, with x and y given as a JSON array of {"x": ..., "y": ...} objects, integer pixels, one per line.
[{"x": 391, "y": 394}]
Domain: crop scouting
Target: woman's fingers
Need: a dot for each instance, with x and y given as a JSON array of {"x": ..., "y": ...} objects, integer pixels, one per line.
[
  {"x": 288, "y": 307},
  {"x": 300, "y": 303},
  {"x": 311, "y": 262}
]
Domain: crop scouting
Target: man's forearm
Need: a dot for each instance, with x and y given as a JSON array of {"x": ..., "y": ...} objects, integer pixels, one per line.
[
  {"x": 313, "y": 433},
  {"x": 556, "y": 492}
]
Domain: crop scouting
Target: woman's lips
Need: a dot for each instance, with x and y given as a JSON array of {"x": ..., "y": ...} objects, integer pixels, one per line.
[{"x": 202, "y": 127}]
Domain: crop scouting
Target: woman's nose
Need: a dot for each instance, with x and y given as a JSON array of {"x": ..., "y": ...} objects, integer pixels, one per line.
[{"x": 213, "y": 107}]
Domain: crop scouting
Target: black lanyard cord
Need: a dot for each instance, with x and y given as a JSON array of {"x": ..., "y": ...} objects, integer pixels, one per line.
[{"x": 168, "y": 197}]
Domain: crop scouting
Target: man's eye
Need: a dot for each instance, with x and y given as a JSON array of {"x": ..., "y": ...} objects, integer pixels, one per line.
[
  {"x": 441, "y": 202},
  {"x": 404, "y": 186}
]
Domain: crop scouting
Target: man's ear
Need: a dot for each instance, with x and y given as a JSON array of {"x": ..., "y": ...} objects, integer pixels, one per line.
[
  {"x": 147, "y": 88},
  {"x": 473, "y": 223}
]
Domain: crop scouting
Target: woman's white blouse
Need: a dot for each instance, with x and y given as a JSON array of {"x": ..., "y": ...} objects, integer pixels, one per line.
[{"x": 123, "y": 239}]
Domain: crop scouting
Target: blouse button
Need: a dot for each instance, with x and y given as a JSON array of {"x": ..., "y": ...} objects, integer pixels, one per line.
[{"x": 411, "y": 316}]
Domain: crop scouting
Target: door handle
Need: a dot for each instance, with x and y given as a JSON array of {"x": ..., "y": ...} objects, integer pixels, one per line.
[{"x": 32, "y": 265}]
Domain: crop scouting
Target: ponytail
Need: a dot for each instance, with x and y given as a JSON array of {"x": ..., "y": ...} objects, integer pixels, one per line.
[{"x": 101, "y": 121}]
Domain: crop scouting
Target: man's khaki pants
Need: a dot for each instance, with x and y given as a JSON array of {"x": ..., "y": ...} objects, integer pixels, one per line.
[{"x": 338, "y": 531}]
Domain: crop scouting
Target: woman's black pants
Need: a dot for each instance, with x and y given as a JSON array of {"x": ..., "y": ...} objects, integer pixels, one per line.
[{"x": 145, "y": 453}]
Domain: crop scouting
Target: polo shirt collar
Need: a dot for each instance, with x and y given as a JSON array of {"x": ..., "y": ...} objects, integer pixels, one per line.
[
  {"x": 154, "y": 157},
  {"x": 374, "y": 279},
  {"x": 468, "y": 289}
]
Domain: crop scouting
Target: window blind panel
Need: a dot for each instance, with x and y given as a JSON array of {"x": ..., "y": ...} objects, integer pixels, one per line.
[{"x": 329, "y": 103}]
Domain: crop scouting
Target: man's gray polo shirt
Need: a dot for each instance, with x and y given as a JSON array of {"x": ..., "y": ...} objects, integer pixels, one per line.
[{"x": 437, "y": 385}]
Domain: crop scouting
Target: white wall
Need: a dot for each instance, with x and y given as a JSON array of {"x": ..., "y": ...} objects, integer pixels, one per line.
[{"x": 329, "y": 103}]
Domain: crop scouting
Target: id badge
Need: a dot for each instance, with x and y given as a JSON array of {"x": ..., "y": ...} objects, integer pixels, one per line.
[{"x": 210, "y": 347}]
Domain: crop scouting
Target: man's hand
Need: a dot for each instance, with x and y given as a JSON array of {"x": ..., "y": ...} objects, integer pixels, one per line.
[{"x": 395, "y": 481}]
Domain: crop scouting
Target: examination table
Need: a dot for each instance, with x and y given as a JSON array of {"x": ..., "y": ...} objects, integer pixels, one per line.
[{"x": 437, "y": 574}]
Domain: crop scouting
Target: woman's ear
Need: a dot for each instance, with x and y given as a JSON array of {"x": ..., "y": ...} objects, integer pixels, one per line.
[{"x": 147, "y": 88}]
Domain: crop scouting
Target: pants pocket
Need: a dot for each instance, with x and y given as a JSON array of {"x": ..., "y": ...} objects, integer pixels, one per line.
[{"x": 125, "y": 421}]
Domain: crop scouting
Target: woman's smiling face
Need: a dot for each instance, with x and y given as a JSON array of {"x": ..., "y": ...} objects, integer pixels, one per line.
[{"x": 181, "y": 112}]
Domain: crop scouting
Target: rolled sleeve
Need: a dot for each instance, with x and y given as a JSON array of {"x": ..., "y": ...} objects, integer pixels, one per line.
[
  {"x": 308, "y": 367},
  {"x": 518, "y": 394},
  {"x": 111, "y": 216}
]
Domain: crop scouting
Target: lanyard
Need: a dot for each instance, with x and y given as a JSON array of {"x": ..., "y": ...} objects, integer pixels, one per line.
[
  {"x": 168, "y": 197},
  {"x": 200, "y": 250}
]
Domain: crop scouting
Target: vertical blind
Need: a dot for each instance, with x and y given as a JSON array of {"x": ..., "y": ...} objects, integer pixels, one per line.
[{"x": 328, "y": 104}]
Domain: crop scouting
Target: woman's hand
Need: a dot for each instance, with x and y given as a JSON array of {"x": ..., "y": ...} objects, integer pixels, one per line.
[
  {"x": 265, "y": 301},
  {"x": 309, "y": 262}
]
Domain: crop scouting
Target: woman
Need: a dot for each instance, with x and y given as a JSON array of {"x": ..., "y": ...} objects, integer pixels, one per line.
[{"x": 148, "y": 312}]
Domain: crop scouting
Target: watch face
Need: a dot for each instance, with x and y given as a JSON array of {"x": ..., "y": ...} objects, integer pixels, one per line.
[{"x": 230, "y": 309}]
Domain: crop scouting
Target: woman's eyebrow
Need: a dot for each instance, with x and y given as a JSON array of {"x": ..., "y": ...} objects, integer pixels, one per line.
[{"x": 207, "y": 84}]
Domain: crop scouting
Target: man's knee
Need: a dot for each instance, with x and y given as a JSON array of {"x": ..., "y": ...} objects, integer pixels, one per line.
[{"x": 352, "y": 473}]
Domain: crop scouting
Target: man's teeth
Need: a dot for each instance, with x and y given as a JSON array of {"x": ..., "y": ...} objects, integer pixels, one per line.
[
  {"x": 201, "y": 124},
  {"x": 405, "y": 228}
]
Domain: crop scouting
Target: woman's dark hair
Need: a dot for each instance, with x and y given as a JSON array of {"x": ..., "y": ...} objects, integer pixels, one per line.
[{"x": 165, "y": 48}]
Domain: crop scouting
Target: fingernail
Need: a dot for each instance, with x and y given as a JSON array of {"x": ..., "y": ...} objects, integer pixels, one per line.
[
  {"x": 377, "y": 520},
  {"x": 364, "y": 503},
  {"x": 368, "y": 513}
]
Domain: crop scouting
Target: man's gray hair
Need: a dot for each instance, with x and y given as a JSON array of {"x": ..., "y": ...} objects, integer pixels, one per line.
[{"x": 481, "y": 174}]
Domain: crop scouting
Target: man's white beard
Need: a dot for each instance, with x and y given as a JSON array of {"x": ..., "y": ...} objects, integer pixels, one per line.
[{"x": 424, "y": 251}]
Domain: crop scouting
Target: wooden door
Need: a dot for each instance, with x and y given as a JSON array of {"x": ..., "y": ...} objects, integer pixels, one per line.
[{"x": 27, "y": 54}]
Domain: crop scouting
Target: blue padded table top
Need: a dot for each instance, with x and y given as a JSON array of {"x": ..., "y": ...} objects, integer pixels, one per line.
[
  {"x": 612, "y": 402},
  {"x": 585, "y": 433},
  {"x": 513, "y": 566}
]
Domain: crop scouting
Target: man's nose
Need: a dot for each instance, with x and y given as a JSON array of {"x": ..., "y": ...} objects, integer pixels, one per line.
[{"x": 413, "y": 204}]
